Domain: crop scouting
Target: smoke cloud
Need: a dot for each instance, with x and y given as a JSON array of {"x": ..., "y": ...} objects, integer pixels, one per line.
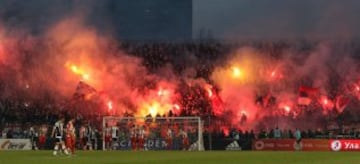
[{"x": 46, "y": 56}]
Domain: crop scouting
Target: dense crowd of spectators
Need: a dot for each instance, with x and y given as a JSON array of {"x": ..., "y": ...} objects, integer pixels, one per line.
[{"x": 18, "y": 115}]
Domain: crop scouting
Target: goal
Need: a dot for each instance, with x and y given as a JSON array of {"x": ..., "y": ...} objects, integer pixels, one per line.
[{"x": 152, "y": 133}]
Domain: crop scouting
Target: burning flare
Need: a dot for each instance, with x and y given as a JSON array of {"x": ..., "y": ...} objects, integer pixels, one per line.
[
  {"x": 77, "y": 70},
  {"x": 236, "y": 72}
]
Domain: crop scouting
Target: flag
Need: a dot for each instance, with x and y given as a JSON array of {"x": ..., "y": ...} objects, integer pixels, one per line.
[
  {"x": 216, "y": 101},
  {"x": 217, "y": 104},
  {"x": 304, "y": 101},
  {"x": 84, "y": 91},
  {"x": 308, "y": 91},
  {"x": 305, "y": 95},
  {"x": 341, "y": 103},
  {"x": 266, "y": 101}
]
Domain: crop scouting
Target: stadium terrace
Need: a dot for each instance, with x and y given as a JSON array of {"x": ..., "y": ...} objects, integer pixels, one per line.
[{"x": 134, "y": 81}]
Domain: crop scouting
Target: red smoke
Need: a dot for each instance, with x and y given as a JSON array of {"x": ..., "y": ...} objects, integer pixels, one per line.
[{"x": 249, "y": 88}]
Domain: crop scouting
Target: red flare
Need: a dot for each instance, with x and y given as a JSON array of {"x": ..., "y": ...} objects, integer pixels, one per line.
[
  {"x": 357, "y": 88},
  {"x": 287, "y": 108},
  {"x": 326, "y": 103},
  {"x": 177, "y": 106},
  {"x": 110, "y": 105},
  {"x": 273, "y": 73},
  {"x": 209, "y": 91}
]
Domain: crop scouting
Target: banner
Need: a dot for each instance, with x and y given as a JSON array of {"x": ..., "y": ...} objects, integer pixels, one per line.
[
  {"x": 150, "y": 144},
  {"x": 233, "y": 146},
  {"x": 15, "y": 144},
  {"x": 291, "y": 145},
  {"x": 345, "y": 145}
]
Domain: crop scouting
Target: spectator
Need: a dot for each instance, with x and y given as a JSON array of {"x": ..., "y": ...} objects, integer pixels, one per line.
[
  {"x": 290, "y": 133},
  {"x": 285, "y": 134},
  {"x": 277, "y": 133},
  {"x": 298, "y": 136}
]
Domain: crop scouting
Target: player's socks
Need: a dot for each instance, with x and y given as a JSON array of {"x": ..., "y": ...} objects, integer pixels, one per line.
[
  {"x": 73, "y": 149},
  {"x": 65, "y": 150},
  {"x": 56, "y": 148}
]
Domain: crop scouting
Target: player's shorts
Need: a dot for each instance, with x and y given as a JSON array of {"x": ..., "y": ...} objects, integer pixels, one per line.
[
  {"x": 141, "y": 142},
  {"x": 68, "y": 141},
  {"x": 42, "y": 139},
  {"x": 185, "y": 142},
  {"x": 93, "y": 142},
  {"x": 133, "y": 140},
  {"x": 107, "y": 139},
  {"x": 58, "y": 139},
  {"x": 85, "y": 140}
]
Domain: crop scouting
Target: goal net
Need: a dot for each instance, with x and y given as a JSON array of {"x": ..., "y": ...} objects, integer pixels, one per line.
[{"x": 152, "y": 133}]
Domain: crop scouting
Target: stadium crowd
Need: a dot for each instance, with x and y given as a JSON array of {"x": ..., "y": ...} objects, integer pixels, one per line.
[{"x": 32, "y": 118}]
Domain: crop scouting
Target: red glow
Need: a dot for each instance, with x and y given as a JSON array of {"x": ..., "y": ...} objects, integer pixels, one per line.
[
  {"x": 160, "y": 92},
  {"x": 110, "y": 105},
  {"x": 163, "y": 92},
  {"x": 243, "y": 112},
  {"x": 273, "y": 73},
  {"x": 209, "y": 91},
  {"x": 177, "y": 106},
  {"x": 225, "y": 130},
  {"x": 357, "y": 88},
  {"x": 326, "y": 103},
  {"x": 287, "y": 108}
]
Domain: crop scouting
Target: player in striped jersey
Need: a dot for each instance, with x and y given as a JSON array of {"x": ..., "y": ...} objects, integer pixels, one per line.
[
  {"x": 58, "y": 134},
  {"x": 115, "y": 132}
]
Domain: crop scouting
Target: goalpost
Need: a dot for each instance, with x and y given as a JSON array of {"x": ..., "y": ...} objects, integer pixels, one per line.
[{"x": 155, "y": 133}]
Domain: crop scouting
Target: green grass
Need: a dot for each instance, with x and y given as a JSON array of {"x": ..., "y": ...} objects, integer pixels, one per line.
[{"x": 177, "y": 157}]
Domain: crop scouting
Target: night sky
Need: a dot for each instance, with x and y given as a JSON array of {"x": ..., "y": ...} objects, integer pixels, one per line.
[
  {"x": 224, "y": 19},
  {"x": 278, "y": 18}
]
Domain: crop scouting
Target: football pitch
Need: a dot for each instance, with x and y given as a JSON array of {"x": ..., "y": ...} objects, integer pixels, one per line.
[{"x": 178, "y": 157}]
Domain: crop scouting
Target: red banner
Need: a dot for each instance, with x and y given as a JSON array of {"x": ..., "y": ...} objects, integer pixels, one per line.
[
  {"x": 291, "y": 145},
  {"x": 345, "y": 145}
]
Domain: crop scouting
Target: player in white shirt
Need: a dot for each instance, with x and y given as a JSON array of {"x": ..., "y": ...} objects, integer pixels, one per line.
[
  {"x": 33, "y": 134},
  {"x": 88, "y": 137},
  {"x": 93, "y": 138},
  {"x": 114, "y": 135},
  {"x": 58, "y": 134}
]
